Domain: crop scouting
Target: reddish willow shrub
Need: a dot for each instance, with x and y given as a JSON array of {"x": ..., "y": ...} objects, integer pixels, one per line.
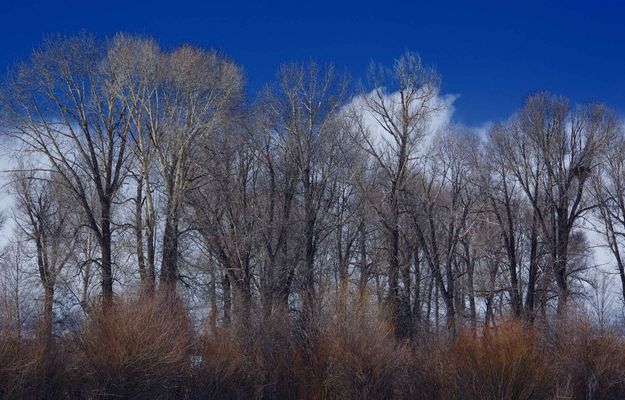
[
  {"x": 148, "y": 350},
  {"x": 139, "y": 350},
  {"x": 507, "y": 362},
  {"x": 591, "y": 364},
  {"x": 30, "y": 370}
]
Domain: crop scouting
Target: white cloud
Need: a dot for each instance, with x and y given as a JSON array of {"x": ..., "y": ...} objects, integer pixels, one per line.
[
  {"x": 482, "y": 130},
  {"x": 7, "y": 163},
  {"x": 441, "y": 117},
  {"x": 10, "y": 155}
]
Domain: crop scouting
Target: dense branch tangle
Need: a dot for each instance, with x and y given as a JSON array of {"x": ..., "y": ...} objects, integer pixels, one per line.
[{"x": 313, "y": 191}]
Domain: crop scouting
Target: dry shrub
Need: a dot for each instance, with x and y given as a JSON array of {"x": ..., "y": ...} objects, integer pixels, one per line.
[
  {"x": 591, "y": 363},
  {"x": 364, "y": 359},
  {"x": 222, "y": 368},
  {"x": 427, "y": 372},
  {"x": 277, "y": 360},
  {"x": 139, "y": 349},
  {"x": 257, "y": 360},
  {"x": 310, "y": 365},
  {"x": 147, "y": 350},
  {"x": 11, "y": 379},
  {"x": 28, "y": 370},
  {"x": 505, "y": 362}
]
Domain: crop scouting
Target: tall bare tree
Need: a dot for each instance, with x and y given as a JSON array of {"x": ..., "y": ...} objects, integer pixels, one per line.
[
  {"x": 609, "y": 192},
  {"x": 223, "y": 209},
  {"x": 63, "y": 105},
  {"x": 390, "y": 126},
  {"x": 195, "y": 93},
  {"x": 139, "y": 65},
  {"x": 304, "y": 113},
  {"x": 443, "y": 199},
  {"x": 552, "y": 150},
  {"x": 45, "y": 219}
]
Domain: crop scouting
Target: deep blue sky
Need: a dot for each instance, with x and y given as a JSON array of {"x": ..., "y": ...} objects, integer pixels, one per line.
[{"x": 490, "y": 53}]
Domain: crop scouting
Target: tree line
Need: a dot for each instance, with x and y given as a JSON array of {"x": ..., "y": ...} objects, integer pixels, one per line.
[{"x": 145, "y": 171}]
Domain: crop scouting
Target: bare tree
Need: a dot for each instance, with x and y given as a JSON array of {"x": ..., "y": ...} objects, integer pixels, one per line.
[
  {"x": 552, "y": 151},
  {"x": 305, "y": 125},
  {"x": 506, "y": 209},
  {"x": 609, "y": 193},
  {"x": 275, "y": 208},
  {"x": 390, "y": 127},
  {"x": 16, "y": 305},
  {"x": 44, "y": 218},
  {"x": 442, "y": 202},
  {"x": 195, "y": 93},
  {"x": 63, "y": 105},
  {"x": 139, "y": 67},
  {"x": 224, "y": 212}
]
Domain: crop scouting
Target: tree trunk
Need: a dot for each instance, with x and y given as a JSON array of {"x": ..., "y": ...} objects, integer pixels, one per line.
[
  {"x": 267, "y": 285},
  {"x": 515, "y": 295},
  {"x": 471, "y": 292},
  {"x": 212, "y": 296},
  {"x": 107, "y": 259},
  {"x": 560, "y": 266},
  {"x": 533, "y": 272},
  {"x": 309, "y": 288},
  {"x": 139, "y": 236},
  {"x": 151, "y": 253},
  {"x": 393, "y": 273},
  {"x": 243, "y": 302},
  {"x": 407, "y": 322},
  {"x": 227, "y": 299},
  {"x": 428, "y": 308},
  {"x": 364, "y": 268},
  {"x": 48, "y": 314},
  {"x": 169, "y": 271},
  {"x": 417, "y": 304}
]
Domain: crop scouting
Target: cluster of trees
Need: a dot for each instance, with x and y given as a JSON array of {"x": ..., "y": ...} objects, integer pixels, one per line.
[{"x": 146, "y": 171}]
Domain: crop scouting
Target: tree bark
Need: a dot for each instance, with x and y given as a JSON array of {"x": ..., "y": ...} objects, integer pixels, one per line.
[{"x": 107, "y": 259}]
